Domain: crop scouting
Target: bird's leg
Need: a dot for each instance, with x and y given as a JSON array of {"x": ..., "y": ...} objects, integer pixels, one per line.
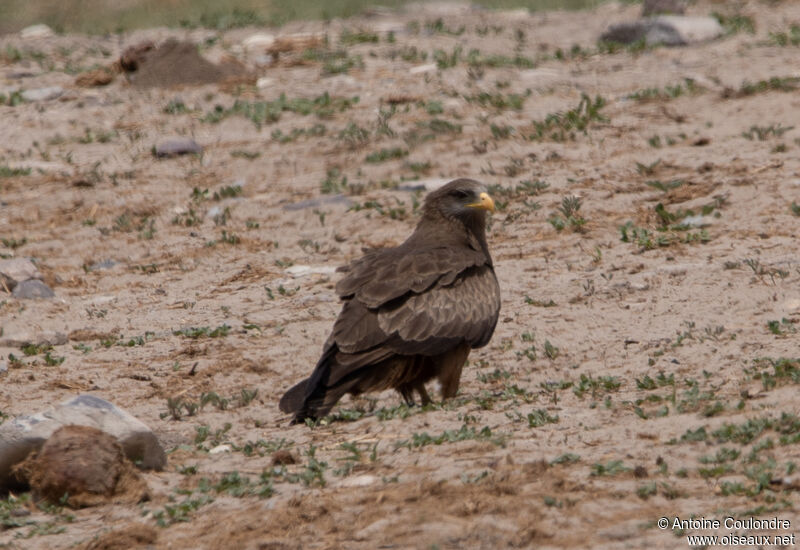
[
  {"x": 408, "y": 395},
  {"x": 423, "y": 394}
]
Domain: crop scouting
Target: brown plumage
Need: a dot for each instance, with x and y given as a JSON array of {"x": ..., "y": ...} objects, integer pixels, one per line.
[{"x": 411, "y": 313}]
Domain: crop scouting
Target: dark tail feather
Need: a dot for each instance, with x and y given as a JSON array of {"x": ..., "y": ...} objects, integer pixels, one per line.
[{"x": 292, "y": 400}]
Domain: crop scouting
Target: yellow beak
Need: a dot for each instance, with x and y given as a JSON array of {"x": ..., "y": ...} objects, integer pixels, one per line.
[{"x": 486, "y": 203}]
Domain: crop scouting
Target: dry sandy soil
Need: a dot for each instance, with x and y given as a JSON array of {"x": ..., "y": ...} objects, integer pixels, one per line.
[{"x": 628, "y": 379}]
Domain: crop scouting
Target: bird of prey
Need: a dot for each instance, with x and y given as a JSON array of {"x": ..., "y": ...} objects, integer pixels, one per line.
[{"x": 411, "y": 313}]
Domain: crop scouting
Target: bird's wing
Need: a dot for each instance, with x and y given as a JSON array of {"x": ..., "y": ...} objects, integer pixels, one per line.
[
  {"x": 462, "y": 308},
  {"x": 385, "y": 275},
  {"x": 465, "y": 310}
]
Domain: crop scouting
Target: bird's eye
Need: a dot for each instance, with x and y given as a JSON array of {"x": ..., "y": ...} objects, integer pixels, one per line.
[{"x": 461, "y": 194}]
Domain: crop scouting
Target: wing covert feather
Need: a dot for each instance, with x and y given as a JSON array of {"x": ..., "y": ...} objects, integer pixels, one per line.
[{"x": 383, "y": 276}]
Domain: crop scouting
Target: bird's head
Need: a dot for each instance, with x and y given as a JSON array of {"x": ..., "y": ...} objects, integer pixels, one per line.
[{"x": 463, "y": 199}]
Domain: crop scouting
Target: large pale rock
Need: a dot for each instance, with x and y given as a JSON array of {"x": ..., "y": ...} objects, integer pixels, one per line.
[
  {"x": 16, "y": 270},
  {"x": 26, "y": 433},
  {"x": 36, "y": 32},
  {"x": 668, "y": 30}
]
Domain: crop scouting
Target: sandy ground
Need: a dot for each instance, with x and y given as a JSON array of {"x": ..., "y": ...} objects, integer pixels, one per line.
[{"x": 627, "y": 380}]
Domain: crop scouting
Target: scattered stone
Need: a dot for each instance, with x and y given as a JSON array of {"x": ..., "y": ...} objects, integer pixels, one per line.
[
  {"x": 303, "y": 270},
  {"x": 42, "y": 94},
  {"x": 3, "y": 366},
  {"x": 94, "y": 78},
  {"x": 264, "y": 60},
  {"x": 668, "y": 30},
  {"x": 36, "y": 32},
  {"x": 177, "y": 146},
  {"x": 105, "y": 264},
  {"x": 663, "y": 7},
  {"x": 283, "y": 458},
  {"x": 31, "y": 289},
  {"x": 84, "y": 463},
  {"x": 12, "y": 338},
  {"x": 220, "y": 449},
  {"x": 319, "y": 201},
  {"x": 697, "y": 221},
  {"x": 264, "y": 82},
  {"x": 419, "y": 69},
  {"x": 26, "y": 433},
  {"x": 16, "y": 270}
]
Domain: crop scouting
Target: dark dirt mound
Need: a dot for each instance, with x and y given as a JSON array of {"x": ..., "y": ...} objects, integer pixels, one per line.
[
  {"x": 175, "y": 63},
  {"x": 131, "y": 536},
  {"x": 86, "y": 464}
]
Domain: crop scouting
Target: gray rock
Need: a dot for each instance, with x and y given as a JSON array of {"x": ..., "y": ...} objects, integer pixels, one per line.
[
  {"x": 317, "y": 202},
  {"x": 668, "y": 30},
  {"x": 660, "y": 7},
  {"x": 25, "y": 433},
  {"x": 32, "y": 288},
  {"x": 16, "y": 270},
  {"x": 177, "y": 146},
  {"x": 18, "y": 338},
  {"x": 105, "y": 264},
  {"x": 3, "y": 366},
  {"x": 42, "y": 94}
]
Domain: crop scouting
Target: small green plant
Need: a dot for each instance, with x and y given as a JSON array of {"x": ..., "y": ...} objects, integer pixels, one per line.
[
  {"x": 562, "y": 126},
  {"x": 499, "y": 101},
  {"x": 334, "y": 182},
  {"x": 540, "y": 417},
  {"x": 610, "y": 468},
  {"x": 268, "y": 112},
  {"x": 176, "y": 107},
  {"x": 349, "y": 38},
  {"x": 665, "y": 186},
  {"x": 735, "y": 23},
  {"x": 449, "y": 436},
  {"x": 7, "y": 172},
  {"x": 779, "y": 84},
  {"x": 668, "y": 92},
  {"x": 386, "y": 154},
  {"x": 763, "y": 133},
  {"x": 354, "y": 136},
  {"x": 567, "y": 458},
  {"x": 790, "y": 38},
  {"x": 570, "y": 205},
  {"x": 203, "y": 332}
]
